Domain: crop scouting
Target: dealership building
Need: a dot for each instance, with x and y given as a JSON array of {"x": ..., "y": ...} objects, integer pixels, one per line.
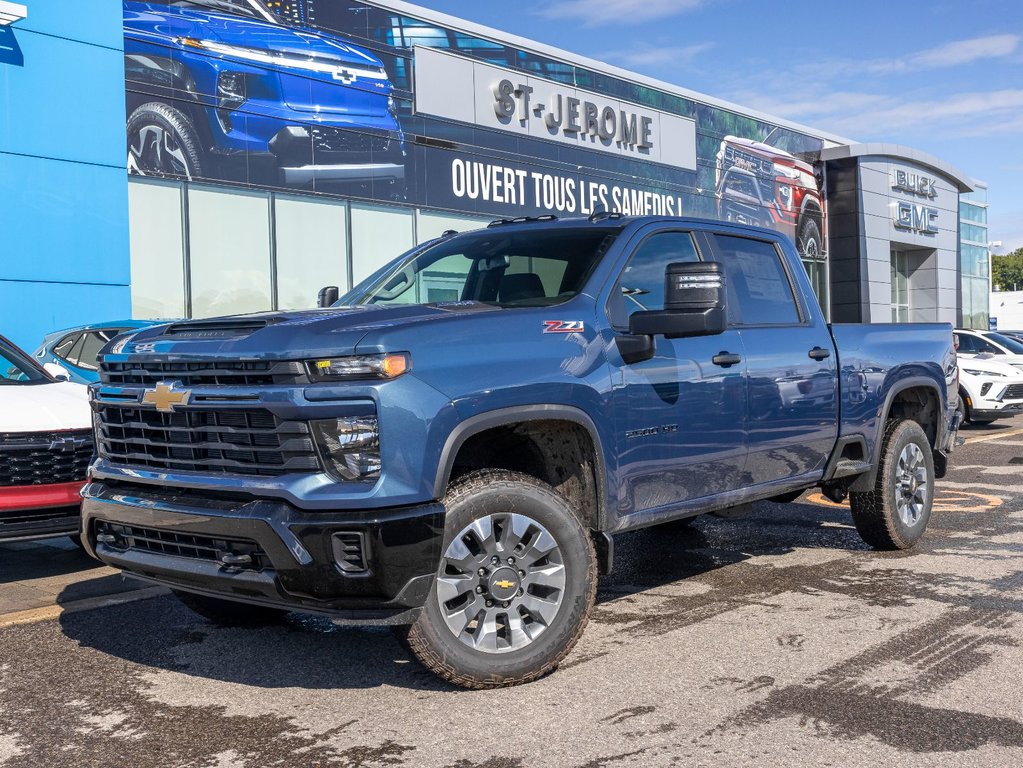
[{"x": 188, "y": 159}]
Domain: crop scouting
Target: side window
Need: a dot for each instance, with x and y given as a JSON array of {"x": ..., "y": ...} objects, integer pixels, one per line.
[
  {"x": 63, "y": 347},
  {"x": 641, "y": 284},
  {"x": 76, "y": 350},
  {"x": 757, "y": 282},
  {"x": 94, "y": 342},
  {"x": 988, "y": 348},
  {"x": 967, "y": 343}
]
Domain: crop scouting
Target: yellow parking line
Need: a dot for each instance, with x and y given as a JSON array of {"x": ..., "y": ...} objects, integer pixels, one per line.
[
  {"x": 50, "y": 612},
  {"x": 999, "y": 436}
]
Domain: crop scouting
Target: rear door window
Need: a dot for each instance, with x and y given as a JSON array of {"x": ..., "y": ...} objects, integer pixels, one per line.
[{"x": 758, "y": 284}]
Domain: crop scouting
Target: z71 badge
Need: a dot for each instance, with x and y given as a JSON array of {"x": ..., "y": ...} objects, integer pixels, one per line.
[{"x": 563, "y": 326}]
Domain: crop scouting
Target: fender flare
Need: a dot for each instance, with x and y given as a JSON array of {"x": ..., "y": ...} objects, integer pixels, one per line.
[
  {"x": 514, "y": 415},
  {"x": 865, "y": 482}
]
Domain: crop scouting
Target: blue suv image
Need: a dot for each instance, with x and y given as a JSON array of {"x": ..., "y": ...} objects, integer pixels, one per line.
[{"x": 226, "y": 89}]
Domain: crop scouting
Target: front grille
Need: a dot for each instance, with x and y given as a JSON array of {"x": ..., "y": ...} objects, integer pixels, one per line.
[
  {"x": 761, "y": 167},
  {"x": 1013, "y": 392},
  {"x": 347, "y": 140},
  {"x": 233, "y": 553},
  {"x": 247, "y": 442},
  {"x": 44, "y": 458},
  {"x": 205, "y": 373}
]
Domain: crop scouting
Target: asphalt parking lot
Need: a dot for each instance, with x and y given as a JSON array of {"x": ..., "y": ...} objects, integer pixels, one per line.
[{"x": 776, "y": 640}]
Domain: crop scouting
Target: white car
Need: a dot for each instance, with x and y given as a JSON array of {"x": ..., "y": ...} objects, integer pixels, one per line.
[
  {"x": 45, "y": 448},
  {"x": 991, "y": 345},
  {"x": 989, "y": 389}
]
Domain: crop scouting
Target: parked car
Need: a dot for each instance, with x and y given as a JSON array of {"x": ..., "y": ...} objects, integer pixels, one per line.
[
  {"x": 72, "y": 353},
  {"x": 225, "y": 88},
  {"x": 45, "y": 447},
  {"x": 989, "y": 390},
  {"x": 991, "y": 344},
  {"x": 461, "y": 466}
]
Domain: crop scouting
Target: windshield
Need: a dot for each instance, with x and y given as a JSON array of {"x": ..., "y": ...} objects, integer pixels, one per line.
[
  {"x": 254, "y": 9},
  {"x": 17, "y": 368},
  {"x": 1010, "y": 344},
  {"x": 509, "y": 269}
]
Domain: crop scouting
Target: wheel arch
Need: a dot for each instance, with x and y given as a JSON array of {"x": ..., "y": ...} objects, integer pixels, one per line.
[
  {"x": 522, "y": 416},
  {"x": 899, "y": 394}
]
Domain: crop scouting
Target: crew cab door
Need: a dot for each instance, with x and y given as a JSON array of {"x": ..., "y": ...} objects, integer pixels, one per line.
[
  {"x": 789, "y": 356},
  {"x": 680, "y": 418}
]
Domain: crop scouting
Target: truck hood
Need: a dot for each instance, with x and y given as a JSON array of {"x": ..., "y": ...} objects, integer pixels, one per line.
[
  {"x": 231, "y": 29},
  {"x": 44, "y": 407},
  {"x": 285, "y": 335}
]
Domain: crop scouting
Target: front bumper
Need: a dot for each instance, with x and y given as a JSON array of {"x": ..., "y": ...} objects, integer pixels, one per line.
[
  {"x": 1007, "y": 411},
  {"x": 190, "y": 541},
  {"x": 39, "y": 511}
]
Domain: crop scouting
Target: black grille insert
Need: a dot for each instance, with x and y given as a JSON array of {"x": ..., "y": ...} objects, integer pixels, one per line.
[
  {"x": 44, "y": 458},
  {"x": 248, "y": 442},
  {"x": 1013, "y": 392},
  {"x": 345, "y": 140},
  {"x": 230, "y": 553},
  {"x": 205, "y": 373}
]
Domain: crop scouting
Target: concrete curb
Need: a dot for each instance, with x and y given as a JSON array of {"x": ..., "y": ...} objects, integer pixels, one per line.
[{"x": 50, "y": 612}]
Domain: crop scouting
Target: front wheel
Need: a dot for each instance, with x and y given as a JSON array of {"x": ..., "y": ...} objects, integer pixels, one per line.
[
  {"x": 515, "y": 587},
  {"x": 894, "y": 514},
  {"x": 162, "y": 141}
]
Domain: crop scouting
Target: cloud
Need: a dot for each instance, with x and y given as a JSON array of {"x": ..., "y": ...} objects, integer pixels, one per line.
[
  {"x": 657, "y": 56},
  {"x": 953, "y": 54},
  {"x": 594, "y": 13},
  {"x": 867, "y": 116}
]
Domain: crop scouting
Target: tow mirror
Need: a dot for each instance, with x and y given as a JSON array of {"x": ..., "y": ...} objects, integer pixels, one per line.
[
  {"x": 327, "y": 296},
  {"x": 694, "y": 303}
]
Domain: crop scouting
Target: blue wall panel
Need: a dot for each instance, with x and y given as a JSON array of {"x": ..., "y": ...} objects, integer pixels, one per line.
[
  {"x": 63, "y": 221},
  {"x": 28, "y": 311},
  {"x": 63, "y": 186},
  {"x": 64, "y": 101},
  {"x": 87, "y": 21}
]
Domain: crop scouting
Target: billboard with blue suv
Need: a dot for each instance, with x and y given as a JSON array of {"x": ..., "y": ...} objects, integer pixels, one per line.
[{"x": 323, "y": 96}]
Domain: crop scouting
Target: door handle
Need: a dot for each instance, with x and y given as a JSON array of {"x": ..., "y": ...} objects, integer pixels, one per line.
[
  {"x": 819, "y": 353},
  {"x": 726, "y": 359}
]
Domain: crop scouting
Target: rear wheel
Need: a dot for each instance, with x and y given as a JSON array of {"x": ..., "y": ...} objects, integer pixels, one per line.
[
  {"x": 515, "y": 587},
  {"x": 895, "y": 513},
  {"x": 228, "y": 613}
]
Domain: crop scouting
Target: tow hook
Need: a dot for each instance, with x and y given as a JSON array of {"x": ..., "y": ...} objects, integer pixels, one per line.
[{"x": 233, "y": 561}]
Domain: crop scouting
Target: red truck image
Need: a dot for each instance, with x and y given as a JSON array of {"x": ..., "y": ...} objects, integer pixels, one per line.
[{"x": 765, "y": 185}]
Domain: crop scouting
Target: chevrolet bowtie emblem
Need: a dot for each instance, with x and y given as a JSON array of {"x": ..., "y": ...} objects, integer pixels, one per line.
[
  {"x": 504, "y": 584},
  {"x": 165, "y": 398}
]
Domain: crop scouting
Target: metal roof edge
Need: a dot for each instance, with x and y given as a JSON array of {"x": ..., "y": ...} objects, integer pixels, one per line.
[{"x": 898, "y": 152}]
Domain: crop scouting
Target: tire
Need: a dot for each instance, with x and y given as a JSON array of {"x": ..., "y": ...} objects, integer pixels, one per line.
[
  {"x": 228, "y": 613},
  {"x": 895, "y": 514},
  {"x": 162, "y": 141},
  {"x": 809, "y": 240},
  {"x": 501, "y": 514},
  {"x": 964, "y": 413}
]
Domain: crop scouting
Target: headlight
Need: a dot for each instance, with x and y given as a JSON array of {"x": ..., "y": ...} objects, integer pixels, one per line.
[
  {"x": 389, "y": 366},
  {"x": 351, "y": 446},
  {"x": 785, "y": 171},
  {"x": 336, "y": 69},
  {"x": 990, "y": 374}
]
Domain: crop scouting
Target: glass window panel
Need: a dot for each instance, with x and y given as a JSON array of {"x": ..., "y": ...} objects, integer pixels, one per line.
[
  {"x": 757, "y": 280},
  {"x": 433, "y": 225},
  {"x": 157, "y": 250},
  {"x": 311, "y": 249},
  {"x": 974, "y": 233},
  {"x": 641, "y": 286},
  {"x": 379, "y": 235},
  {"x": 229, "y": 243}
]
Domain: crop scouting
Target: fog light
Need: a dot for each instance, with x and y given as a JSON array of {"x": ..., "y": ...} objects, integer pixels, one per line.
[
  {"x": 351, "y": 446},
  {"x": 985, "y": 388}
]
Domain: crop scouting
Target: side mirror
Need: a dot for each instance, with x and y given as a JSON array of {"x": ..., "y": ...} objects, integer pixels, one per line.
[
  {"x": 694, "y": 303},
  {"x": 59, "y": 372},
  {"x": 327, "y": 296}
]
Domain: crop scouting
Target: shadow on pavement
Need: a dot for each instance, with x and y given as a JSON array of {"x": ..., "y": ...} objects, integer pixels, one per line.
[{"x": 310, "y": 652}]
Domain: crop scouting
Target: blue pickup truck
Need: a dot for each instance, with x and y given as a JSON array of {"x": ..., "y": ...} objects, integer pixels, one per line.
[{"x": 451, "y": 447}]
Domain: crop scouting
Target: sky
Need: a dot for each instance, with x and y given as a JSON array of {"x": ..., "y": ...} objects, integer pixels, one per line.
[{"x": 942, "y": 76}]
